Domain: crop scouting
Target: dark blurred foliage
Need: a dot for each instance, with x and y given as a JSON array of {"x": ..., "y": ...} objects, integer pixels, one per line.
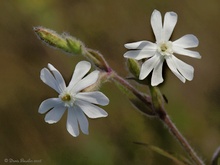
[{"x": 105, "y": 26}]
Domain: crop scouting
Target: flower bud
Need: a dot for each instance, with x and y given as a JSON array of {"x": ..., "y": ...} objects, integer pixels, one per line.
[
  {"x": 98, "y": 60},
  {"x": 75, "y": 46},
  {"x": 158, "y": 101},
  {"x": 64, "y": 42},
  {"x": 133, "y": 67}
]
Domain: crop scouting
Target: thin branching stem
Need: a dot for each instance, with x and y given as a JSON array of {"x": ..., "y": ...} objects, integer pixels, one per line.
[
  {"x": 164, "y": 117},
  {"x": 145, "y": 98},
  {"x": 184, "y": 143}
]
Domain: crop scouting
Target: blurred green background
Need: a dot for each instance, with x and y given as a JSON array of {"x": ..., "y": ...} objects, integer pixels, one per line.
[{"x": 104, "y": 25}]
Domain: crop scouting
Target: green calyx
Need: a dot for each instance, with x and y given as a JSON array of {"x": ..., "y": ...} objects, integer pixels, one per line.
[
  {"x": 64, "y": 42},
  {"x": 133, "y": 67}
]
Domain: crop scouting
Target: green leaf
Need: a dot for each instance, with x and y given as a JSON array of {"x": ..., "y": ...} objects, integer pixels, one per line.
[
  {"x": 180, "y": 160},
  {"x": 216, "y": 157}
]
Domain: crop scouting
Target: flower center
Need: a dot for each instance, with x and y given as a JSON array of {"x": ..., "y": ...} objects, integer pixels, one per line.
[
  {"x": 165, "y": 48},
  {"x": 67, "y": 98}
]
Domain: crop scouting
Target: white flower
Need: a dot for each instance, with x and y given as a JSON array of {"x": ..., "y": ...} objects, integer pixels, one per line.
[
  {"x": 72, "y": 99},
  {"x": 164, "y": 49}
]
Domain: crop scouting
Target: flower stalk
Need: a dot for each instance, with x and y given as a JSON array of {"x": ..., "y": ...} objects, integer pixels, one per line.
[
  {"x": 146, "y": 99},
  {"x": 158, "y": 105},
  {"x": 184, "y": 143}
]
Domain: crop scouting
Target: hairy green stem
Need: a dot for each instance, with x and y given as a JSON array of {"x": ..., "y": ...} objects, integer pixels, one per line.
[
  {"x": 158, "y": 105},
  {"x": 176, "y": 133},
  {"x": 164, "y": 117},
  {"x": 145, "y": 99}
]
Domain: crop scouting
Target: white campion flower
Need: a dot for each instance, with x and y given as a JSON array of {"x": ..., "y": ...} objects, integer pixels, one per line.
[
  {"x": 164, "y": 49},
  {"x": 71, "y": 98}
]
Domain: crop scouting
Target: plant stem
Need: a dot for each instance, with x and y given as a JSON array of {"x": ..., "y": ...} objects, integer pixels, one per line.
[
  {"x": 158, "y": 105},
  {"x": 163, "y": 116},
  {"x": 145, "y": 99},
  {"x": 166, "y": 120}
]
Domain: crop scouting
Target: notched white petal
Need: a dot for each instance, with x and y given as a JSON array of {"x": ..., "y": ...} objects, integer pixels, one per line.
[
  {"x": 46, "y": 105},
  {"x": 93, "y": 97},
  {"x": 92, "y": 111},
  {"x": 49, "y": 79},
  {"x": 187, "y": 41},
  {"x": 139, "y": 54},
  {"x": 157, "y": 77},
  {"x": 185, "y": 69},
  {"x": 55, "y": 114},
  {"x": 83, "y": 121},
  {"x": 171, "y": 64},
  {"x": 86, "y": 81},
  {"x": 58, "y": 77},
  {"x": 141, "y": 45},
  {"x": 170, "y": 20},
  {"x": 81, "y": 69},
  {"x": 72, "y": 124},
  {"x": 148, "y": 66},
  {"x": 185, "y": 52},
  {"x": 156, "y": 23}
]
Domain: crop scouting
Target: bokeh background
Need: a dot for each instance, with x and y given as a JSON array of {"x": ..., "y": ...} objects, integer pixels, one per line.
[{"x": 104, "y": 25}]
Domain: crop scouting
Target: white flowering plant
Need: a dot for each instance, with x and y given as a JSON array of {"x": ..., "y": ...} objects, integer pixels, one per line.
[{"x": 81, "y": 97}]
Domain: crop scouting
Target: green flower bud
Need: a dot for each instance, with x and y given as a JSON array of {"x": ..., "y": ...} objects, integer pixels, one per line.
[
  {"x": 75, "y": 46},
  {"x": 98, "y": 60},
  {"x": 133, "y": 67},
  {"x": 158, "y": 101},
  {"x": 64, "y": 42}
]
